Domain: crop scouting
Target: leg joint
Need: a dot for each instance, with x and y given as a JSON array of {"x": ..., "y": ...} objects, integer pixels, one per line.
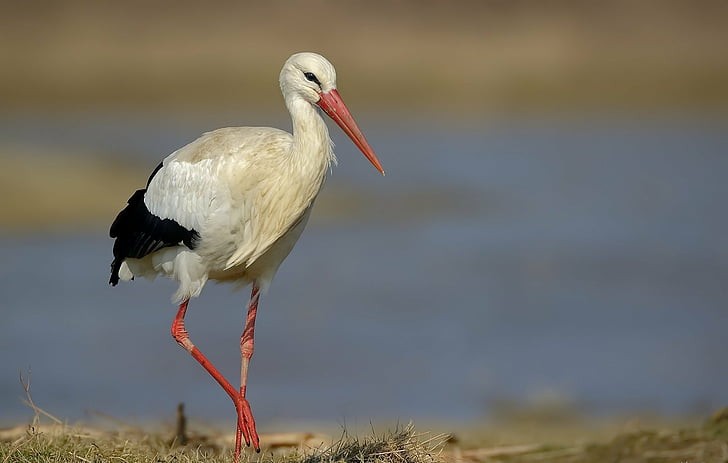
[
  {"x": 179, "y": 333},
  {"x": 246, "y": 346}
]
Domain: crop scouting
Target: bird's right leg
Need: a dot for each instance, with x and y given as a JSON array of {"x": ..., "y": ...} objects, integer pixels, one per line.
[
  {"x": 179, "y": 333},
  {"x": 247, "y": 426}
]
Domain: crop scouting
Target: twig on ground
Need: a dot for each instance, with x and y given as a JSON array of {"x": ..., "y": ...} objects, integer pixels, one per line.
[{"x": 29, "y": 401}]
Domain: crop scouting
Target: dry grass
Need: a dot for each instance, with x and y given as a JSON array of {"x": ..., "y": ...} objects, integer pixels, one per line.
[
  {"x": 57, "y": 442},
  {"x": 707, "y": 443},
  {"x": 47, "y": 439},
  {"x": 401, "y": 446},
  {"x": 73, "y": 446},
  {"x": 70, "y": 444},
  {"x": 481, "y": 56}
]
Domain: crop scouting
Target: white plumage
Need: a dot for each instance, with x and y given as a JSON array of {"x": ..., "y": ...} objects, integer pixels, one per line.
[
  {"x": 242, "y": 189},
  {"x": 231, "y": 205}
]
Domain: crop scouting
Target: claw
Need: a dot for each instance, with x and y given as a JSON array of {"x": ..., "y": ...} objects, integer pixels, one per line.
[{"x": 245, "y": 426}]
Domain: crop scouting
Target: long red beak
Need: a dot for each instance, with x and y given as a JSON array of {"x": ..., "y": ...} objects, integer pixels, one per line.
[{"x": 334, "y": 106}]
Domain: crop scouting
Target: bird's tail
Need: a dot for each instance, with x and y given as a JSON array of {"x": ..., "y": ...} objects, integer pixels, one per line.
[{"x": 115, "y": 266}]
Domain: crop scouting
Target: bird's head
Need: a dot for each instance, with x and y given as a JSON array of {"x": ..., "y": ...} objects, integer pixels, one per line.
[
  {"x": 307, "y": 75},
  {"x": 311, "y": 77}
]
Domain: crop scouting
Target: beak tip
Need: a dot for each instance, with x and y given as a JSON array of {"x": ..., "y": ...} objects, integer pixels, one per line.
[{"x": 332, "y": 104}]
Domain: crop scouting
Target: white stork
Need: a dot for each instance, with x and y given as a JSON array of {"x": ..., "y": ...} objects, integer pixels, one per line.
[{"x": 230, "y": 206}]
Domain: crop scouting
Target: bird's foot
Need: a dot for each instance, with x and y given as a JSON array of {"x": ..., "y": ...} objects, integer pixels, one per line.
[{"x": 246, "y": 427}]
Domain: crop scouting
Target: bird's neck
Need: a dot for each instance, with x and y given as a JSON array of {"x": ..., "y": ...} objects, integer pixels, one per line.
[{"x": 311, "y": 142}]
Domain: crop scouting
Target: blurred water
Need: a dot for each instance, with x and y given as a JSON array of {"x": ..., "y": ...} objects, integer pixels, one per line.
[{"x": 496, "y": 261}]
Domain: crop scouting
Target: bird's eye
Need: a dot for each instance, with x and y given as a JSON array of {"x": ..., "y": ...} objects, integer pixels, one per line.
[{"x": 311, "y": 77}]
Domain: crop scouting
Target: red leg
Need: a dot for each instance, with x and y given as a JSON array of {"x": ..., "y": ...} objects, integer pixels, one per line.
[
  {"x": 241, "y": 404},
  {"x": 246, "y": 353}
]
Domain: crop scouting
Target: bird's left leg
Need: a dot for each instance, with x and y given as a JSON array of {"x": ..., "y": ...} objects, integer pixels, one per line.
[
  {"x": 246, "y": 353},
  {"x": 245, "y": 417}
]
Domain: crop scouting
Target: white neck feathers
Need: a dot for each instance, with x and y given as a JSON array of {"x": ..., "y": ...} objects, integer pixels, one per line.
[{"x": 311, "y": 142}]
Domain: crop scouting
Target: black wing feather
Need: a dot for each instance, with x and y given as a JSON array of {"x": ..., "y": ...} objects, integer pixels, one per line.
[
  {"x": 138, "y": 232},
  {"x": 154, "y": 172}
]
